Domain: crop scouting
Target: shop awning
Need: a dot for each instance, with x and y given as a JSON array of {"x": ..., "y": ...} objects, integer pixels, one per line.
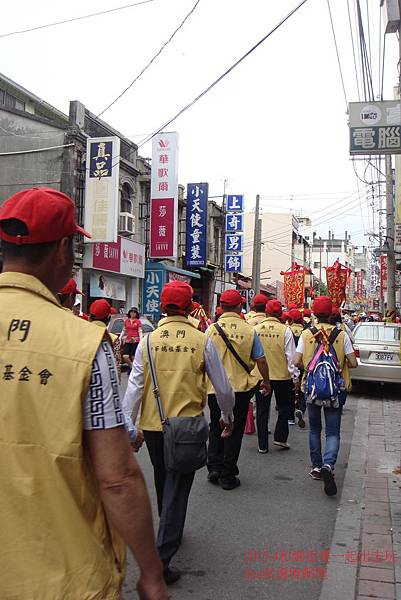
[{"x": 150, "y": 264}]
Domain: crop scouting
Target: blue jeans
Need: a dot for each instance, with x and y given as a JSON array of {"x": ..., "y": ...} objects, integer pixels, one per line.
[{"x": 332, "y": 417}]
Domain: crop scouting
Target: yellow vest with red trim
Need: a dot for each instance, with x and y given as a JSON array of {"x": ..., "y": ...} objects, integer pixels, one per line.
[
  {"x": 310, "y": 345},
  {"x": 55, "y": 540},
  {"x": 178, "y": 351},
  {"x": 271, "y": 333},
  {"x": 241, "y": 335}
]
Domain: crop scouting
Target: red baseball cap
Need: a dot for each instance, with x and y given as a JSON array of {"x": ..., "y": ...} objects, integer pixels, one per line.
[
  {"x": 322, "y": 306},
  {"x": 71, "y": 288},
  {"x": 284, "y": 317},
  {"x": 100, "y": 309},
  {"x": 336, "y": 312},
  {"x": 307, "y": 312},
  {"x": 295, "y": 315},
  {"x": 260, "y": 299},
  {"x": 231, "y": 298},
  {"x": 113, "y": 311},
  {"x": 48, "y": 214},
  {"x": 273, "y": 307},
  {"x": 292, "y": 305},
  {"x": 177, "y": 293}
]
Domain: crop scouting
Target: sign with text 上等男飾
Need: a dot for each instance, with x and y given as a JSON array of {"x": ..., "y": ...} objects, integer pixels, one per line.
[
  {"x": 234, "y": 242},
  {"x": 375, "y": 127},
  {"x": 196, "y": 224},
  {"x": 124, "y": 256},
  {"x": 164, "y": 196},
  {"x": 234, "y": 222},
  {"x": 235, "y": 203},
  {"x": 233, "y": 263},
  {"x": 101, "y": 188}
]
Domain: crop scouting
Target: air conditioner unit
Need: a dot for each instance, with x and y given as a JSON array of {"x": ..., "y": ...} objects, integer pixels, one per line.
[{"x": 126, "y": 224}]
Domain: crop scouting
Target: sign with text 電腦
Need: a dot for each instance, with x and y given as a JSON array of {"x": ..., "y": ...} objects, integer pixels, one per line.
[
  {"x": 164, "y": 196},
  {"x": 102, "y": 188},
  {"x": 196, "y": 225},
  {"x": 375, "y": 127}
]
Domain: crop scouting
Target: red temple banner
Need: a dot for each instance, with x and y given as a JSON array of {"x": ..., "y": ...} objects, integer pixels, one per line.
[
  {"x": 294, "y": 285},
  {"x": 337, "y": 277}
]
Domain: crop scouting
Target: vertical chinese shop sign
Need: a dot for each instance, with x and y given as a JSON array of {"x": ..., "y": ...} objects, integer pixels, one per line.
[
  {"x": 164, "y": 196},
  {"x": 196, "y": 230}
]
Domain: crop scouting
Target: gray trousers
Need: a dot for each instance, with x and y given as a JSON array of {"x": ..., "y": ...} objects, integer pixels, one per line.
[{"x": 172, "y": 489}]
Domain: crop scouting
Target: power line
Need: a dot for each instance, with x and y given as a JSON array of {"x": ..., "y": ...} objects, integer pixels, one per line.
[
  {"x": 146, "y": 67},
  {"x": 353, "y": 50},
  {"x": 103, "y": 12},
  {"x": 212, "y": 85},
  {"x": 338, "y": 56},
  {"x": 35, "y": 150}
]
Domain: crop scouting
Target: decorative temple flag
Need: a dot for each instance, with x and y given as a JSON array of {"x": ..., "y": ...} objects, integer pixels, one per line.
[
  {"x": 294, "y": 284},
  {"x": 337, "y": 277}
]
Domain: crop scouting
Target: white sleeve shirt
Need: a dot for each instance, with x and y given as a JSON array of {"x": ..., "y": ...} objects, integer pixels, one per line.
[
  {"x": 348, "y": 348},
  {"x": 290, "y": 349},
  {"x": 214, "y": 369}
]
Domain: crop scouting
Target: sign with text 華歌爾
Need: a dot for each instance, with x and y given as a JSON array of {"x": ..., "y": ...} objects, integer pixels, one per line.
[
  {"x": 375, "y": 127},
  {"x": 196, "y": 225},
  {"x": 164, "y": 196},
  {"x": 102, "y": 188}
]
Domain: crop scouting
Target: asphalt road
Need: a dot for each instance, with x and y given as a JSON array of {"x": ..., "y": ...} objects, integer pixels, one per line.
[{"x": 232, "y": 538}]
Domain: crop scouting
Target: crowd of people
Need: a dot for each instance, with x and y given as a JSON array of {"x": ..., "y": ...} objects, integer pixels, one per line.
[{"x": 72, "y": 495}]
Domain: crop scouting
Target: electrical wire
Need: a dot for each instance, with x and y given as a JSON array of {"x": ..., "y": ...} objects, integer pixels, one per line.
[
  {"x": 353, "y": 50},
  {"x": 103, "y": 12},
  {"x": 35, "y": 150},
  {"x": 338, "y": 56},
  {"x": 146, "y": 67},
  {"x": 222, "y": 76}
]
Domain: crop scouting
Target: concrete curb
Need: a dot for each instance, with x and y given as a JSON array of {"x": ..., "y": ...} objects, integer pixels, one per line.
[{"x": 341, "y": 578}]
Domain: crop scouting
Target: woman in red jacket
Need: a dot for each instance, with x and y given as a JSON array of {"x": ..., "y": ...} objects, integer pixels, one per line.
[{"x": 131, "y": 335}]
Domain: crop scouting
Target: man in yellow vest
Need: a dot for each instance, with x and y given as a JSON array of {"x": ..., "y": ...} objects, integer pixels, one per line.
[
  {"x": 323, "y": 466},
  {"x": 182, "y": 356},
  {"x": 259, "y": 310},
  {"x": 65, "y": 456},
  {"x": 239, "y": 349},
  {"x": 279, "y": 349}
]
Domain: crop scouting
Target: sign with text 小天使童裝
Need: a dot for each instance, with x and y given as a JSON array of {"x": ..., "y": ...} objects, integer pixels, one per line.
[{"x": 196, "y": 224}]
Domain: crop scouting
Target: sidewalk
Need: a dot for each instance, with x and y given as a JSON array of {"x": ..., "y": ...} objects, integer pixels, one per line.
[{"x": 365, "y": 552}]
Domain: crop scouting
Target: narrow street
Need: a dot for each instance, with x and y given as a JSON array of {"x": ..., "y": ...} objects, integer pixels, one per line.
[{"x": 278, "y": 509}]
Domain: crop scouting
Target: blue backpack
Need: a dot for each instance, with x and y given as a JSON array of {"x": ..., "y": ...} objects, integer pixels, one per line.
[{"x": 323, "y": 379}]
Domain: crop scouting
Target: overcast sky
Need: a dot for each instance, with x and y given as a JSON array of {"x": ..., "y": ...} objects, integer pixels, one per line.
[{"x": 276, "y": 126}]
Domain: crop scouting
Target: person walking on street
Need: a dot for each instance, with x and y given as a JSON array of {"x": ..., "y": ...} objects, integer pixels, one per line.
[
  {"x": 322, "y": 336},
  {"x": 131, "y": 335},
  {"x": 239, "y": 349},
  {"x": 279, "y": 349},
  {"x": 259, "y": 310},
  {"x": 182, "y": 357},
  {"x": 72, "y": 494},
  {"x": 99, "y": 314},
  {"x": 67, "y": 295}
]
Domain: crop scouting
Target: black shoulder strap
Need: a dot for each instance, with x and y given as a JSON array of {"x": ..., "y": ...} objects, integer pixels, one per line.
[{"x": 232, "y": 349}]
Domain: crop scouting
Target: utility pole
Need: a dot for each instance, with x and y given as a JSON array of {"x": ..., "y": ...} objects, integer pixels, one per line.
[
  {"x": 257, "y": 241},
  {"x": 320, "y": 265},
  {"x": 390, "y": 235}
]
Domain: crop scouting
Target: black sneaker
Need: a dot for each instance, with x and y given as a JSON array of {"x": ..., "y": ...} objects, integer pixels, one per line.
[
  {"x": 213, "y": 477},
  {"x": 171, "y": 575},
  {"x": 230, "y": 484},
  {"x": 316, "y": 473},
  {"x": 300, "y": 418},
  {"x": 330, "y": 487}
]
